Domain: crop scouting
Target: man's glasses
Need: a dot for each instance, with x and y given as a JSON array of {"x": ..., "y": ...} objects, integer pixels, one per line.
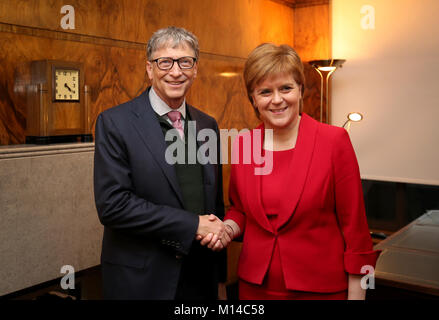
[{"x": 166, "y": 63}]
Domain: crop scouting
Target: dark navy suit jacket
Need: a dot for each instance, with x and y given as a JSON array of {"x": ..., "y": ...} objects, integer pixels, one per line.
[{"x": 148, "y": 233}]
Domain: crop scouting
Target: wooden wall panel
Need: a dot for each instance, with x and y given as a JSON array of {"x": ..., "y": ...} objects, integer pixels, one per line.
[
  {"x": 312, "y": 34},
  {"x": 220, "y": 91},
  {"x": 311, "y": 100},
  {"x": 110, "y": 39},
  {"x": 312, "y": 41},
  {"x": 302, "y": 3},
  {"x": 226, "y": 27},
  {"x": 114, "y": 75}
]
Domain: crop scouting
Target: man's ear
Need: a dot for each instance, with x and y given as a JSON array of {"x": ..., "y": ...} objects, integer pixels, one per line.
[
  {"x": 195, "y": 70},
  {"x": 149, "y": 69}
]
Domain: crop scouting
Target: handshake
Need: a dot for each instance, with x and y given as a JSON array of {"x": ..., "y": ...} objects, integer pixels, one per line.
[{"x": 216, "y": 234}]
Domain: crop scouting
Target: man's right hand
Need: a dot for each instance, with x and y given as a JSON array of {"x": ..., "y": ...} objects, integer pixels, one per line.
[
  {"x": 215, "y": 242},
  {"x": 210, "y": 224}
]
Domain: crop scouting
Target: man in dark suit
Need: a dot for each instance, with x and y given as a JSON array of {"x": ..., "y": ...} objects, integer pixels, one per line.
[{"x": 152, "y": 210}]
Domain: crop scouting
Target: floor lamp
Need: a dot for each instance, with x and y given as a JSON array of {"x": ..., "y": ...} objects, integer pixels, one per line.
[{"x": 326, "y": 68}]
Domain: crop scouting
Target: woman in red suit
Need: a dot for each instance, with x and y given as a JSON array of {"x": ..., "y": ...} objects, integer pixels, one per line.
[{"x": 304, "y": 228}]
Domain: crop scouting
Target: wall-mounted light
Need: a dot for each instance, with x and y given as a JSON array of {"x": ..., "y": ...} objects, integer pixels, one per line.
[
  {"x": 352, "y": 117},
  {"x": 229, "y": 74},
  {"x": 326, "y": 67}
]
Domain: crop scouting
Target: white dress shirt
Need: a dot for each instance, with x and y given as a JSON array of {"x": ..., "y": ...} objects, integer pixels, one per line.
[{"x": 161, "y": 108}]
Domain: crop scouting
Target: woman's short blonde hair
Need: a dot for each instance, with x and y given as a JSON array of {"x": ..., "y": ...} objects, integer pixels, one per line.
[{"x": 268, "y": 59}]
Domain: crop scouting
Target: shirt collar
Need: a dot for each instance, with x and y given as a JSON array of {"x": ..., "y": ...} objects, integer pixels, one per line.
[{"x": 161, "y": 108}]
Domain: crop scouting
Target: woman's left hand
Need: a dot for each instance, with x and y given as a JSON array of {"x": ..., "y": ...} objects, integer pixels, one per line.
[{"x": 355, "y": 292}]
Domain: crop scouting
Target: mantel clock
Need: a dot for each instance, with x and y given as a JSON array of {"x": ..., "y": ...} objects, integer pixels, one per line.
[{"x": 57, "y": 103}]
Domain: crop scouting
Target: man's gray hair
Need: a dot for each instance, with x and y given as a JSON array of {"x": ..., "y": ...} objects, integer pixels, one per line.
[{"x": 176, "y": 36}]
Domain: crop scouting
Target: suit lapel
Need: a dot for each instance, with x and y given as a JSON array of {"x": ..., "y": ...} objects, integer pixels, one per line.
[
  {"x": 147, "y": 125},
  {"x": 299, "y": 168}
]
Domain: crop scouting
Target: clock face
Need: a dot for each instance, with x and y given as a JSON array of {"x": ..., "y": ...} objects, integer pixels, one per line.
[{"x": 66, "y": 85}]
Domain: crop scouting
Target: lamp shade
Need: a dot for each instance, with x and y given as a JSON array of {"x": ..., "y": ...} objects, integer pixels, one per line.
[
  {"x": 328, "y": 64},
  {"x": 355, "y": 116},
  {"x": 352, "y": 117}
]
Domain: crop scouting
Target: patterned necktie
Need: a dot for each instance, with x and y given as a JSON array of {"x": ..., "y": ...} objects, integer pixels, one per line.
[{"x": 175, "y": 117}]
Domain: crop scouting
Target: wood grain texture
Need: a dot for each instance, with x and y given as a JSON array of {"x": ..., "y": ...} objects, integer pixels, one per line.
[
  {"x": 312, "y": 33},
  {"x": 311, "y": 99},
  {"x": 110, "y": 39},
  {"x": 220, "y": 91},
  {"x": 312, "y": 41},
  {"x": 226, "y": 27},
  {"x": 114, "y": 75},
  {"x": 302, "y": 3}
]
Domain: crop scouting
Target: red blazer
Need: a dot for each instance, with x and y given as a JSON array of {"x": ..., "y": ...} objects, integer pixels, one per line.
[{"x": 322, "y": 231}]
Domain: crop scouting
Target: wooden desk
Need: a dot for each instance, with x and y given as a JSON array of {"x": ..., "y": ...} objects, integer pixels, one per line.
[{"x": 410, "y": 258}]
